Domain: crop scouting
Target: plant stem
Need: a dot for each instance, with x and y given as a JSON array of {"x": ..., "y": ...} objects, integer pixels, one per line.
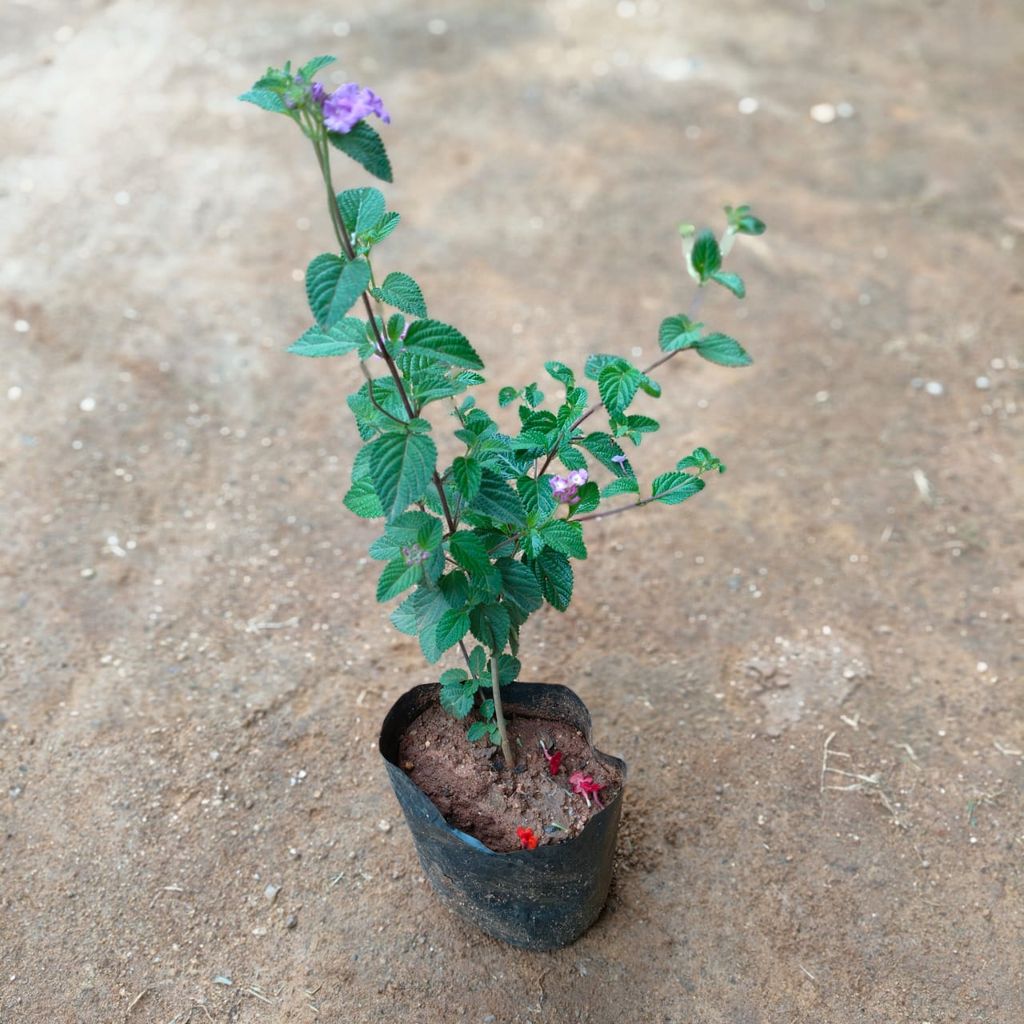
[
  {"x": 499, "y": 714},
  {"x": 611, "y": 511},
  {"x": 323, "y": 157}
]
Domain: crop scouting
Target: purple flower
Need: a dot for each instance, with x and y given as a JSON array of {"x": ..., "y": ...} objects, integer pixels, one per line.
[
  {"x": 566, "y": 488},
  {"x": 349, "y": 104},
  {"x": 620, "y": 459},
  {"x": 318, "y": 92}
]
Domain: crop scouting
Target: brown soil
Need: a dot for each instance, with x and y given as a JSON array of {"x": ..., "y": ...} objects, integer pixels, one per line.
[
  {"x": 476, "y": 793},
  {"x": 195, "y": 824}
]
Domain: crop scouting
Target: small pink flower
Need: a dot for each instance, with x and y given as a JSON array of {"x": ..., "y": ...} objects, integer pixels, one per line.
[
  {"x": 586, "y": 787},
  {"x": 554, "y": 759}
]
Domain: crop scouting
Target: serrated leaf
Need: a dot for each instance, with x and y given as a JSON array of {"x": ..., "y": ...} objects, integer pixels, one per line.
[
  {"x": 401, "y": 466},
  {"x": 705, "y": 256},
  {"x": 618, "y": 383},
  {"x": 467, "y": 474},
  {"x": 347, "y": 335},
  {"x": 564, "y": 536},
  {"x": 363, "y": 501},
  {"x": 674, "y": 488},
  {"x": 265, "y": 99},
  {"x": 451, "y": 628},
  {"x": 490, "y": 624},
  {"x": 498, "y": 501},
  {"x": 571, "y": 458},
  {"x": 723, "y": 350},
  {"x": 396, "y": 577},
  {"x": 556, "y": 578},
  {"x": 477, "y": 731},
  {"x": 361, "y": 209},
  {"x": 383, "y": 229},
  {"x": 537, "y": 497},
  {"x": 605, "y": 449},
  {"x": 520, "y": 588},
  {"x": 624, "y": 485},
  {"x": 561, "y": 373},
  {"x": 457, "y": 698},
  {"x": 743, "y": 222},
  {"x": 441, "y": 343},
  {"x": 364, "y": 145},
  {"x": 506, "y": 396},
  {"x": 703, "y": 460},
  {"x": 333, "y": 284},
  {"x": 469, "y": 551},
  {"x": 587, "y": 500},
  {"x": 731, "y": 281},
  {"x": 311, "y": 67},
  {"x": 678, "y": 332},
  {"x": 402, "y": 292},
  {"x": 597, "y": 362}
]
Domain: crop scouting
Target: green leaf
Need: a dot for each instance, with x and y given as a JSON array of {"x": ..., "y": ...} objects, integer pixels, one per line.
[
  {"x": 311, "y": 67},
  {"x": 383, "y": 229},
  {"x": 604, "y": 448},
  {"x": 723, "y": 350},
  {"x": 731, "y": 281},
  {"x": 506, "y": 396},
  {"x": 490, "y": 625},
  {"x": 537, "y": 497},
  {"x": 587, "y": 500},
  {"x": 597, "y": 362},
  {"x": 520, "y": 588},
  {"x": 441, "y": 343},
  {"x": 396, "y": 577},
  {"x": 458, "y": 697},
  {"x": 743, "y": 222},
  {"x": 561, "y": 373},
  {"x": 477, "y": 731},
  {"x": 703, "y": 460},
  {"x": 333, "y": 284},
  {"x": 571, "y": 458},
  {"x": 564, "y": 536},
  {"x": 705, "y": 256},
  {"x": 451, "y": 628},
  {"x": 344, "y": 336},
  {"x": 478, "y": 662},
  {"x": 364, "y": 146},
  {"x": 363, "y": 501},
  {"x": 618, "y": 384},
  {"x": 402, "y": 292},
  {"x": 265, "y": 99},
  {"x": 361, "y": 209},
  {"x": 498, "y": 501},
  {"x": 678, "y": 332},
  {"x": 467, "y": 474},
  {"x": 624, "y": 485},
  {"x": 556, "y": 578},
  {"x": 401, "y": 466},
  {"x": 509, "y": 668},
  {"x": 533, "y": 395},
  {"x": 673, "y": 488},
  {"x": 469, "y": 551}
]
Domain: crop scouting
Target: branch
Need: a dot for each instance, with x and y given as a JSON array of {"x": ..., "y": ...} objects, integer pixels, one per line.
[{"x": 611, "y": 511}]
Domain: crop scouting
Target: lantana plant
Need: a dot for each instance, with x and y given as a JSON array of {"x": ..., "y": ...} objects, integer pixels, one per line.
[{"x": 479, "y": 544}]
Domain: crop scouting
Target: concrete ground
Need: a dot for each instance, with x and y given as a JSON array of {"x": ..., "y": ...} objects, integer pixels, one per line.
[{"x": 192, "y": 666}]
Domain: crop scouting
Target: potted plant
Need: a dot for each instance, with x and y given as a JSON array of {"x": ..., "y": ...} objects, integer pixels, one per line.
[{"x": 513, "y": 812}]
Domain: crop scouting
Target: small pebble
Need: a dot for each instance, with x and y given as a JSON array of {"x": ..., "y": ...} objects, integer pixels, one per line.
[
  {"x": 291, "y": 921},
  {"x": 13, "y": 393},
  {"x": 747, "y": 105},
  {"x": 982, "y": 383},
  {"x": 21, "y": 326},
  {"x": 87, "y": 404},
  {"x": 845, "y": 109},
  {"x": 933, "y": 387},
  {"x": 384, "y": 825},
  {"x": 982, "y": 666},
  {"x": 823, "y": 113},
  {"x": 87, "y": 574},
  {"x": 917, "y": 383},
  {"x": 221, "y": 980},
  {"x": 271, "y": 892}
]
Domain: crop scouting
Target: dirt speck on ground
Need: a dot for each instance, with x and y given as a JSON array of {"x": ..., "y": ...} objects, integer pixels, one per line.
[{"x": 193, "y": 670}]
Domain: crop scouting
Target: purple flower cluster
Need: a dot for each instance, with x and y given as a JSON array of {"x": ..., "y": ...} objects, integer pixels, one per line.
[
  {"x": 348, "y": 105},
  {"x": 566, "y": 488}
]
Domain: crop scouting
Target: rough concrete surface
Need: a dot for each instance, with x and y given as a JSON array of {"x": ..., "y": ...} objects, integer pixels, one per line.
[{"x": 195, "y": 824}]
